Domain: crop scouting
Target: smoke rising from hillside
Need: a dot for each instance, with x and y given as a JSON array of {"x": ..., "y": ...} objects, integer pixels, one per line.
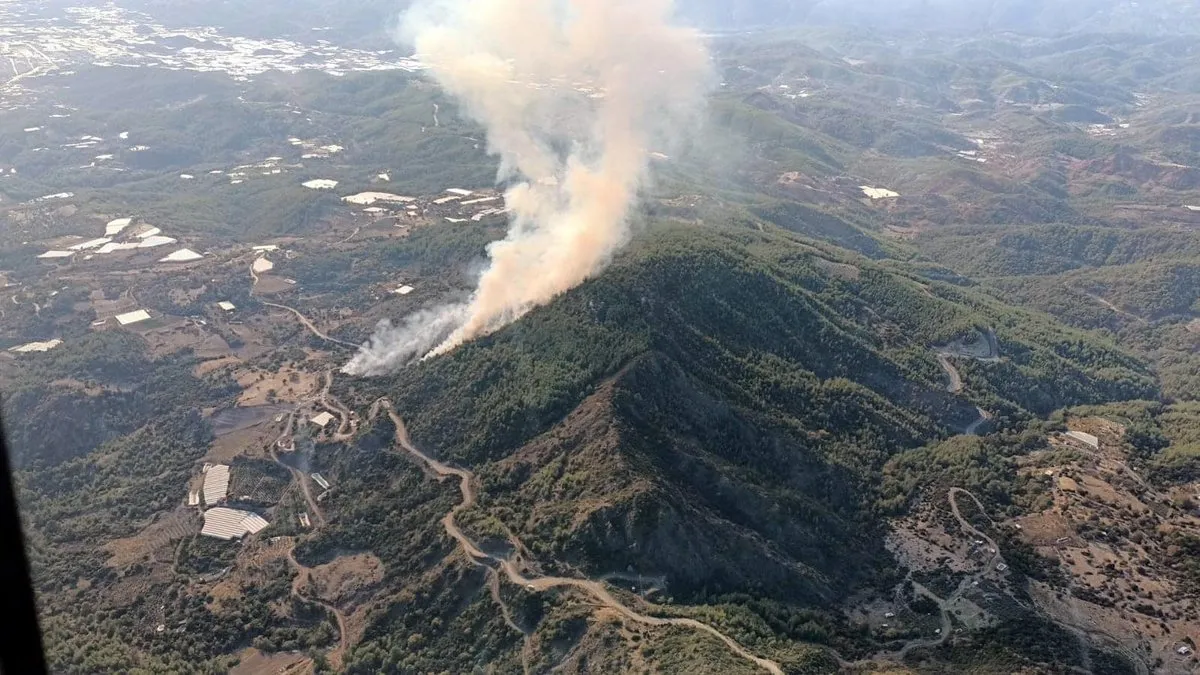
[{"x": 574, "y": 95}]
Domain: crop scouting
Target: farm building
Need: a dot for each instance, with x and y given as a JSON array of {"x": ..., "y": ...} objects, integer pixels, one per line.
[
  {"x": 223, "y": 523},
  {"x": 322, "y": 420},
  {"x": 131, "y": 318}
]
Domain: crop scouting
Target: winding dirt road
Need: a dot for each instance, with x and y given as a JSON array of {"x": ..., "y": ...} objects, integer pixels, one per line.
[
  {"x": 595, "y": 589},
  {"x": 338, "y": 654},
  {"x": 955, "y": 384},
  {"x": 312, "y": 328}
]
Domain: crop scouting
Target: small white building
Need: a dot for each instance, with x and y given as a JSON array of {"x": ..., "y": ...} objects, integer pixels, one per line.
[
  {"x": 262, "y": 266},
  {"x": 320, "y": 480},
  {"x": 404, "y": 290},
  {"x": 226, "y": 305},
  {"x": 322, "y": 420}
]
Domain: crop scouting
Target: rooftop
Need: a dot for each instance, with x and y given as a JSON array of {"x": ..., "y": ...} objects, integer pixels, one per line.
[
  {"x": 223, "y": 523},
  {"x": 182, "y": 255},
  {"x": 369, "y": 198},
  {"x": 216, "y": 484},
  {"x": 878, "y": 193},
  {"x": 321, "y": 184},
  {"x": 130, "y": 318}
]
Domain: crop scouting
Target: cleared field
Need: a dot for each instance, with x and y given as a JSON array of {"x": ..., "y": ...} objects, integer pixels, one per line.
[
  {"x": 155, "y": 538},
  {"x": 263, "y": 387},
  {"x": 254, "y": 662}
]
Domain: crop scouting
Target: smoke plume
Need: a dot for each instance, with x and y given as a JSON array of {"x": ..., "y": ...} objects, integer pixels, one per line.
[{"x": 573, "y": 94}]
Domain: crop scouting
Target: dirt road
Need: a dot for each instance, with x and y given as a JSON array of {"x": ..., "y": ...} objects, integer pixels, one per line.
[
  {"x": 956, "y": 383},
  {"x": 1113, "y": 308},
  {"x": 312, "y": 328},
  {"x": 338, "y": 654},
  {"x": 527, "y": 642},
  {"x": 595, "y": 589}
]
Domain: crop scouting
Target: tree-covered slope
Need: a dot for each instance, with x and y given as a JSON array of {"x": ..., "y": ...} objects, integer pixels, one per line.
[{"x": 721, "y": 395}]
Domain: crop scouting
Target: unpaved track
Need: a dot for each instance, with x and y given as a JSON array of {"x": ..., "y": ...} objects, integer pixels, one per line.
[
  {"x": 527, "y": 642},
  {"x": 956, "y": 383},
  {"x": 312, "y": 328},
  {"x": 338, "y": 654},
  {"x": 956, "y": 386},
  {"x": 1113, "y": 308},
  {"x": 304, "y": 489},
  {"x": 595, "y": 589}
]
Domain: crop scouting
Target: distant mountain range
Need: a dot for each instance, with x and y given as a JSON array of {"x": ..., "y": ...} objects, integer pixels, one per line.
[
  {"x": 373, "y": 21},
  {"x": 1038, "y": 17}
]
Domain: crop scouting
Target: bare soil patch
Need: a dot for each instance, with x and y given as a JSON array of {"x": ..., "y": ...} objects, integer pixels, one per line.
[
  {"x": 340, "y": 581},
  {"x": 270, "y": 284},
  {"x": 250, "y": 441},
  {"x": 214, "y": 365},
  {"x": 254, "y": 662},
  {"x": 287, "y": 385},
  {"x": 178, "y": 334},
  {"x": 1104, "y": 526}
]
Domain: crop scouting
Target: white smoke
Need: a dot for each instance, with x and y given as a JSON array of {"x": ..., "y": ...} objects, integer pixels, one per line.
[
  {"x": 393, "y": 345},
  {"x": 574, "y": 95}
]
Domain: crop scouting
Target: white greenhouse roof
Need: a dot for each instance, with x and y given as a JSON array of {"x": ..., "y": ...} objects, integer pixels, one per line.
[
  {"x": 223, "y": 523},
  {"x": 216, "y": 484},
  {"x": 133, "y": 317},
  {"x": 36, "y": 346},
  {"x": 182, "y": 255}
]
